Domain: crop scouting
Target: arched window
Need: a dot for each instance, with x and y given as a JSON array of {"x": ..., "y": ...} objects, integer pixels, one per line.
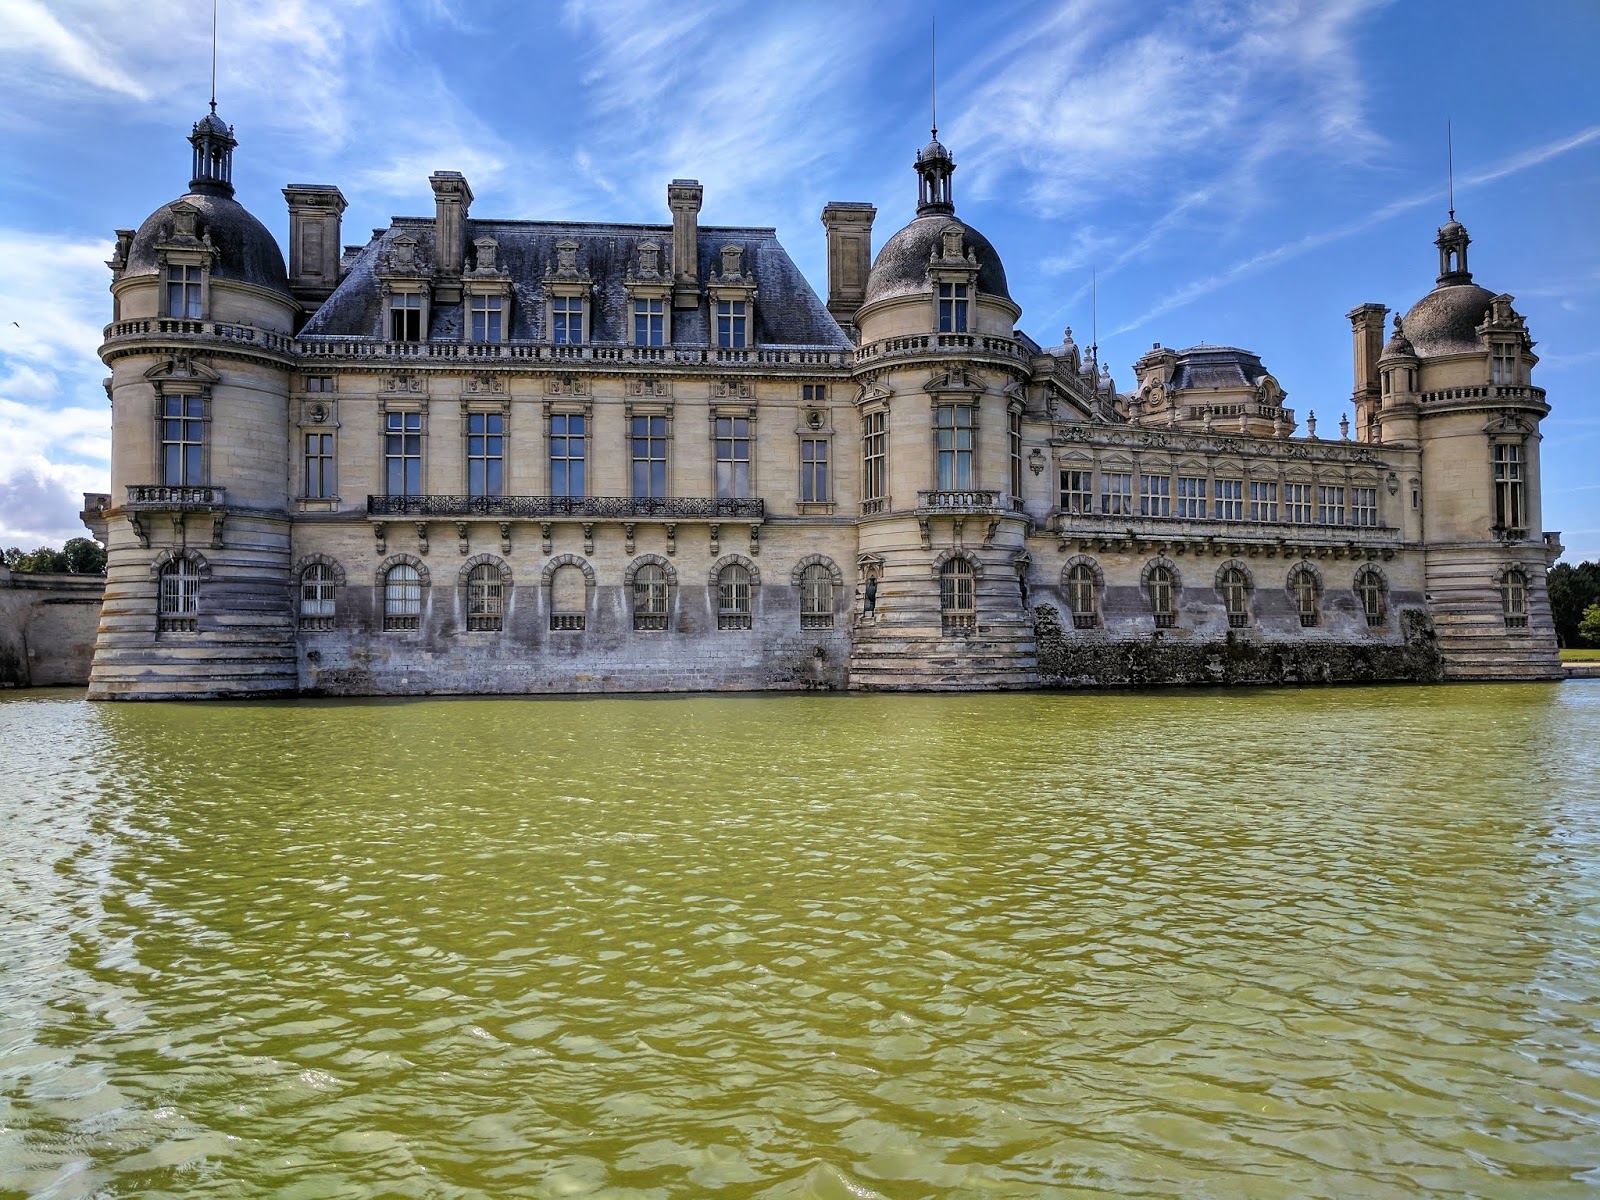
[
  {"x": 1081, "y": 597},
  {"x": 958, "y": 599},
  {"x": 1370, "y": 591},
  {"x": 733, "y": 597},
  {"x": 1235, "y": 586},
  {"x": 317, "y": 583},
  {"x": 1514, "y": 598},
  {"x": 402, "y": 597},
  {"x": 650, "y": 597},
  {"x": 816, "y": 597},
  {"x": 1159, "y": 585},
  {"x": 180, "y": 595},
  {"x": 1304, "y": 588},
  {"x": 485, "y": 599},
  {"x": 569, "y": 597}
]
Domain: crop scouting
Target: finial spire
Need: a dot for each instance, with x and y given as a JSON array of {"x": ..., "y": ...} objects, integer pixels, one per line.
[
  {"x": 213, "y": 57},
  {"x": 1094, "y": 316},
  {"x": 1450, "y": 164},
  {"x": 934, "y": 73}
]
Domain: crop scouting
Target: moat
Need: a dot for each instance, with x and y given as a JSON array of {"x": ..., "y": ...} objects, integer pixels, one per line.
[{"x": 1329, "y": 942}]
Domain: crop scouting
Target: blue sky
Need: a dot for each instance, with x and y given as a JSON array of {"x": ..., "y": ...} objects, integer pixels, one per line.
[{"x": 1243, "y": 173}]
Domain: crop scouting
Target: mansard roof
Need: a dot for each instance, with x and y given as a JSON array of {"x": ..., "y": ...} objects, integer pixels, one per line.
[
  {"x": 1206, "y": 366},
  {"x": 787, "y": 311}
]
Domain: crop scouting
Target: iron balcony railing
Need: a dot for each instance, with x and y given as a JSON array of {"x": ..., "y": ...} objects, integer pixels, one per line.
[{"x": 599, "y": 508}]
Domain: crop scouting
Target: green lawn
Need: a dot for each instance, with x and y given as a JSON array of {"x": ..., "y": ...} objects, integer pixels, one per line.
[{"x": 1580, "y": 656}]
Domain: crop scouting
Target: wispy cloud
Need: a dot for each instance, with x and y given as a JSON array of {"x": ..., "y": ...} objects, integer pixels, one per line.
[
  {"x": 1188, "y": 293},
  {"x": 36, "y": 36}
]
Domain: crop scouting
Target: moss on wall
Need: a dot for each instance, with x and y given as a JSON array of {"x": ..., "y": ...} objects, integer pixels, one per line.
[{"x": 1066, "y": 661}]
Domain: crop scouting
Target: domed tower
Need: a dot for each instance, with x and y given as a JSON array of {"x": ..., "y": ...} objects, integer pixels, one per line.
[
  {"x": 197, "y": 597},
  {"x": 940, "y": 400},
  {"x": 1455, "y": 381}
]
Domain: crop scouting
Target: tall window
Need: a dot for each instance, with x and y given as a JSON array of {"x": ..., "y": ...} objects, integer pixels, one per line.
[
  {"x": 1514, "y": 599},
  {"x": 731, "y": 324},
  {"x": 1370, "y": 591},
  {"x": 316, "y": 597},
  {"x": 649, "y": 457},
  {"x": 319, "y": 474},
  {"x": 953, "y": 429},
  {"x": 1116, "y": 493},
  {"x": 566, "y": 320},
  {"x": 1192, "y": 496},
  {"x": 1297, "y": 503},
  {"x": 1364, "y": 506},
  {"x": 1263, "y": 500},
  {"x": 183, "y": 292},
  {"x": 568, "y": 438},
  {"x": 402, "y": 597},
  {"x": 1081, "y": 596},
  {"x": 1159, "y": 587},
  {"x": 1229, "y": 495},
  {"x": 816, "y": 597},
  {"x": 1236, "y": 597},
  {"x": 814, "y": 470},
  {"x": 952, "y": 308},
  {"x": 649, "y": 322},
  {"x": 488, "y": 313},
  {"x": 1508, "y": 499},
  {"x": 650, "y": 598},
  {"x": 486, "y": 454},
  {"x": 405, "y": 317},
  {"x": 183, "y": 440},
  {"x": 733, "y": 597},
  {"x": 179, "y": 600},
  {"x": 1503, "y": 363},
  {"x": 1155, "y": 499},
  {"x": 874, "y": 460},
  {"x": 485, "y": 599},
  {"x": 1330, "y": 505},
  {"x": 1077, "y": 491},
  {"x": 958, "y": 598},
  {"x": 1014, "y": 439},
  {"x": 733, "y": 457},
  {"x": 402, "y": 453},
  {"x": 1305, "y": 598}
]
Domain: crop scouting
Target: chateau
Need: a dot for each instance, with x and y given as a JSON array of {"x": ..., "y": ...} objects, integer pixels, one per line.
[{"x": 504, "y": 456}]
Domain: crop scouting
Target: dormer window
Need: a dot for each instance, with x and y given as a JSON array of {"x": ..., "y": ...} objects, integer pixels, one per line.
[
  {"x": 649, "y": 322},
  {"x": 184, "y": 288},
  {"x": 405, "y": 317},
  {"x": 953, "y": 307},
  {"x": 1503, "y": 362},
  {"x": 732, "y": 324},
  {"x": 488, "y": 318},
  {"x": 566, "y": 320}
]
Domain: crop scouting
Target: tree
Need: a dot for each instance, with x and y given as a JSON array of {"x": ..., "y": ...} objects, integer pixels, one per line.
[
  {"x": 1572, "y": 590},
  {"x": 84, "y": 556},
  {"x": 1589, "y": 627},
  {"x": 81, "y": 556}
]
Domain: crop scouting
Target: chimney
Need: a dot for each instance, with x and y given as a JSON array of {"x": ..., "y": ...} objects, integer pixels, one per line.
[
  {"x": 314, "y": 231},
  {"x": 849, "y": 227},
  {"x": 1366, "y": 323},
  {"x": 683, "y": 198},
  {"x": 452, "y": 198}
]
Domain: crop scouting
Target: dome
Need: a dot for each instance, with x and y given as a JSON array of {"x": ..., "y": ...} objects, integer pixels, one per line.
[
  {"x": 1446, "y": 320},
  {"x": 901, "y": 268},
  {"x": 246, "y": 252}
]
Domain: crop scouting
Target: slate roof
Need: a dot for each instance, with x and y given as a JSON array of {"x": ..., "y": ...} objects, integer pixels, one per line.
[
  {"x": 1446, "y": 320},
  {"x": 246, "y": 252},
  {"x": 787, "y": 311},
  {"x": 901, "y": 267},
  {"x": 1206, "y": 366}
]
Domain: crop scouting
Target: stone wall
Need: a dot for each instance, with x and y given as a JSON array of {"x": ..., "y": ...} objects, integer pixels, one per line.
[{"x": 47, "y": 628}]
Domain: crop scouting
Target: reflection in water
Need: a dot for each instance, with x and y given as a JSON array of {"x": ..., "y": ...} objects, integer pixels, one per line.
[{"x": 1292, "y": 943}]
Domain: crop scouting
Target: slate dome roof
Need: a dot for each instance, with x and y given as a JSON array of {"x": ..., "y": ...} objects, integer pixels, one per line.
[
  {"x": 246, "y": 252},
  {"x": 901, "y": 267},
  {"x": 1445, "y": 321}
]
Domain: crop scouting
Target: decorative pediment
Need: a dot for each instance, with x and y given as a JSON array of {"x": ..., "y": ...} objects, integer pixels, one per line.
[
  {"x": 486, "y": 257},
  {"x": 647, "y": 262},
  {"x": 406, "y": 256},
  {"x": 953, "y": 379},
  {"x": 950, "y": 252},
  {"x": 181, "y": 369},
  {"x": 874, "y": 393},
  {"x": 1510, "y": 425},
  {"x": 566, "y": 276}
]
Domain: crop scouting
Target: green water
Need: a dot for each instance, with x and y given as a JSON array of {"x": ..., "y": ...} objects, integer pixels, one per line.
[{"x": 1336, "y": 942}]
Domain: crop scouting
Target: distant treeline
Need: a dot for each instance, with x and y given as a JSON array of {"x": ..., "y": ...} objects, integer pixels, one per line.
[
  {"x": 1575, "y": 603},
  {"x": 80, "y": 556}
]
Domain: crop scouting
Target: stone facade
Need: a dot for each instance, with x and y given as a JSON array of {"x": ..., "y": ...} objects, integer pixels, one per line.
[
  {"x": 47, "y": 628},
  {"x": 494, "y": 456}
]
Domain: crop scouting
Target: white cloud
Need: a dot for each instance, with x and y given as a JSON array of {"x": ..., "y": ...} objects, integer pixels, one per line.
[{"x": 35, "y": 37}]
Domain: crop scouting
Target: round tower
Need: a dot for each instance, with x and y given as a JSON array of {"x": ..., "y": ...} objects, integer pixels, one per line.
[
  {"x": 200, "y": 349},
  {"x": 940, "y": 400},
  {"x": 1458, "y": 373}
]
